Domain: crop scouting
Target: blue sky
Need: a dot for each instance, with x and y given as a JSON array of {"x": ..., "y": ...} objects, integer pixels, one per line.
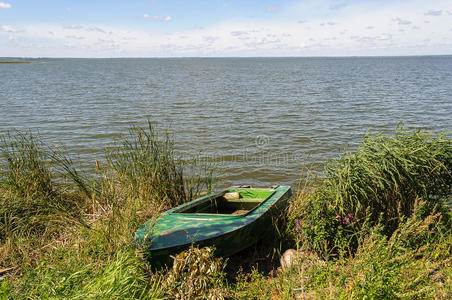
[{"x": 157, "y": 28}]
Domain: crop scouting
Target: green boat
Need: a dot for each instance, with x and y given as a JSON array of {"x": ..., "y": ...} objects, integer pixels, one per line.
[{"x": 231, "y": 220}]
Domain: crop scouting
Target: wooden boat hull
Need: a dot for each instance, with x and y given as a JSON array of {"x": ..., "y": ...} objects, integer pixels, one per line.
[{"x": 174, "y": 232}]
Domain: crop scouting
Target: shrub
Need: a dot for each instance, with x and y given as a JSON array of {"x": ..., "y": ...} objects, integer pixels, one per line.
[
  {"x": 379, "y": 182},
  {"x": 413, "y": 263}
]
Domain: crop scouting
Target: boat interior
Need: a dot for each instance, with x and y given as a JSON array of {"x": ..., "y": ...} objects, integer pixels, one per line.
[{"x": 237, "y": 202}]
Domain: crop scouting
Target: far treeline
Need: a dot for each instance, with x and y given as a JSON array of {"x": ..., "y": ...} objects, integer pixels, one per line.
[{"x": 376, "y": 224}]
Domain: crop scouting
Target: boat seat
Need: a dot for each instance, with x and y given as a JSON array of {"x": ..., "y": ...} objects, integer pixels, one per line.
[{"x": 231, "y": 204}]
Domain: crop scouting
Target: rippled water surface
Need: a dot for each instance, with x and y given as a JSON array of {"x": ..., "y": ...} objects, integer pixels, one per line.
[{"x": 261, "y": 119}]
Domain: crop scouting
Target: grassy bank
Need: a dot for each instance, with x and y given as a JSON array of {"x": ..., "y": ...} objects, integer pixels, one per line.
[{"x": 376, "y": 224}]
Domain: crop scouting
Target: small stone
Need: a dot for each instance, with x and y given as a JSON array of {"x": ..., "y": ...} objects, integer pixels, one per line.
[
  {"x": 288, "y": 258},
  {"x": 302, "y": 256}
]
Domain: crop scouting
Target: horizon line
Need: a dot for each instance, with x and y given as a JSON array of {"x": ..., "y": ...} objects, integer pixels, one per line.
[{"x": 210, "y": 57}]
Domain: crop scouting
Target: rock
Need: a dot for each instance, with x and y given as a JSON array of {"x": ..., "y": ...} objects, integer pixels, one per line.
[
  {"x": 288, "y": 258},
  {"x": 303, "y": 257},
  {"x": 231, "y": 196}
]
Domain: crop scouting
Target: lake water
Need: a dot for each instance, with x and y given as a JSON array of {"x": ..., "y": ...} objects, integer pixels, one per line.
[{"x": 261, "y": 119}]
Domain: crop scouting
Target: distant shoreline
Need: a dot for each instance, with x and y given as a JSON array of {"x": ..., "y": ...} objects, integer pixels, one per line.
[
  {"x": 15, "y": 62},
  {"x": 229, "y": 57}
]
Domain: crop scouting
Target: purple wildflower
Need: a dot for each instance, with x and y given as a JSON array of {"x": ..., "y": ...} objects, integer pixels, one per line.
[
  {"x": 347, "y": 219},
  {"x": 299, "y": 226}
]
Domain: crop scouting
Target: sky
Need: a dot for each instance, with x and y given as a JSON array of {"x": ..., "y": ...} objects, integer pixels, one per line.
[{"x": 226, "y": 28}]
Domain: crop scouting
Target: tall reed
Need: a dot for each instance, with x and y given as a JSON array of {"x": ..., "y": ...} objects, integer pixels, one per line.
[
  {"x": 379, "y": 182},
  {"x": 25, "y": 169},
  {"x": 31, "y": 199},
  {"x": 144, "y": 165}
]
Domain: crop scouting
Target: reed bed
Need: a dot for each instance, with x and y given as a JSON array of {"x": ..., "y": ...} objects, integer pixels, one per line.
[
  {"x": 33, "y": 203},
  {"x": 376, "y": 225},
  {"x": 65, "y": 230},
  {"x": 379, "y": 183}
]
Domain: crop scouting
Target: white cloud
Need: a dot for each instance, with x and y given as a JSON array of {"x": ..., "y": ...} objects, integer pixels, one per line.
[
  {"x": 271, "y": 9},
  {"x": 434, "y": 13},
  {"x": 238, "y": 33},
  {"x": 11, "y": 29},
  {"x": 75, "y": 37},
  {"x": 5, "y": 5},
  {"x": 72, "y": 26},
  {"x": 350, "y": 35},
  {"x": 157, "y": 18},
  {"x": 401, "y": 21},
  {"x": 336, "y": 6},
  {"x": 210, "y": 39},
  {"x": 95, "y": 29}
]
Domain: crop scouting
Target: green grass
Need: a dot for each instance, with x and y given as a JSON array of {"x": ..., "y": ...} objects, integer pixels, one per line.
[{"x": 376, "y": 225}]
